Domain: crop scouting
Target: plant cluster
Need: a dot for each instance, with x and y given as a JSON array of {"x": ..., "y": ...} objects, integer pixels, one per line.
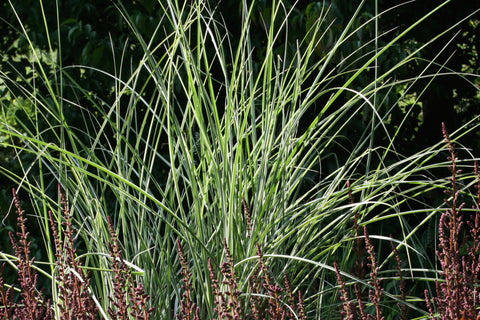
[
  {"x": 459, "y": 251},
  {"x": 356, "y": 308},
  {"x": 457, "y": 292},
  {"x": 191, "y": 117},
  {"x": 73, "y": 297},
  {"x": 265, "y": 298},
  {"x": 32, "y": 304},
  {"x": 353, "y": 309},
  {"x": 456, "y": 297},
  {"x": 73, "y": 284}
]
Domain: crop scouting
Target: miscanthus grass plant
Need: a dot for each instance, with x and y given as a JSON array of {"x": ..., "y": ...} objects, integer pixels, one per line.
[{"x": 222, "y": 174}]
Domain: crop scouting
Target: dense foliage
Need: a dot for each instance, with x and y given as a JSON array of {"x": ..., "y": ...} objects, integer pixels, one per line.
[{"x": 242, "y": 140}]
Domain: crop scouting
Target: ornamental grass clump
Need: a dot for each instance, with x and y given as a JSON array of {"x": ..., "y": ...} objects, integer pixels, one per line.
[
  {"x": 72, "y": 294},
  {"x": 197, "y": 117}
]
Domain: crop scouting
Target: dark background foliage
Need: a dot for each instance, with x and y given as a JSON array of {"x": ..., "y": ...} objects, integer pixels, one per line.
[{"x": 95, "y": 34}]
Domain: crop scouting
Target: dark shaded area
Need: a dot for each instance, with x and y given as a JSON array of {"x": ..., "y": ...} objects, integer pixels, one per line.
[{"x": 448, "y": 98}]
